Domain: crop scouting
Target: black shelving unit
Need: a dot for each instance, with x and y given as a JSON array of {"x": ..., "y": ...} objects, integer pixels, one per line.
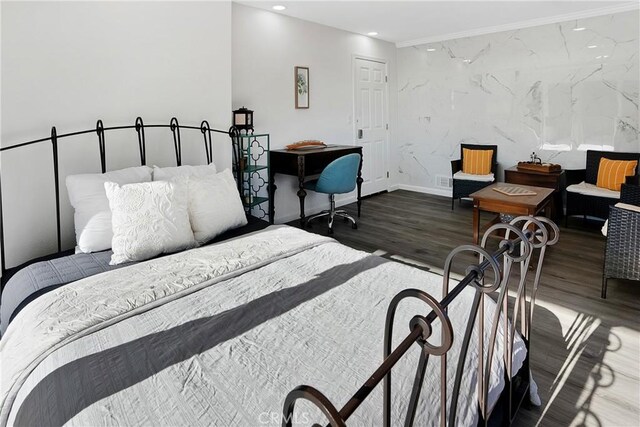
[{"x": 251, "y": 169}]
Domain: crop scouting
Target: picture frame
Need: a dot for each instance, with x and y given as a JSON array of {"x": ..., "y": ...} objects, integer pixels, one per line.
[{"x": 301, "y": 87}]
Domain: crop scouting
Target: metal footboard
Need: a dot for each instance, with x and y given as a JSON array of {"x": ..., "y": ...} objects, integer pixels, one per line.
[{"x": 526, "y": 249}]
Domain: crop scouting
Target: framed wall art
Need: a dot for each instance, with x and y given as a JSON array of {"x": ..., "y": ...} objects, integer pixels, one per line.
[{"x": 302, "y": 87}]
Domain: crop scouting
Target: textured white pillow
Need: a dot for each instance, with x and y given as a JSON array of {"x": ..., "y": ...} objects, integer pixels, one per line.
[
  {"x": 92, "y": 217},
  {"x": 164, "y": 174},
  {"x": 214, "y": 205},
  {"x": 148, "y": 219}
]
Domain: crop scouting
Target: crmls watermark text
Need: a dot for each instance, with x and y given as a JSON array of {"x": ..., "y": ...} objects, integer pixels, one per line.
[{"x": 276, "y": 418}]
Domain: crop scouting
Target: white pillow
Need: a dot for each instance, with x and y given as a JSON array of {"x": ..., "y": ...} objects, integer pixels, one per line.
[
  {"x": 149, "y": 219},
  {"x": 92, "y": 217},
  {"x": 215, "y": 205},
  {"x": 164, "y": 174}
]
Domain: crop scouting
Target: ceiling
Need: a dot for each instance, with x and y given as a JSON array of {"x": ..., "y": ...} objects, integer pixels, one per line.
[{"x": 407, "y": 23}]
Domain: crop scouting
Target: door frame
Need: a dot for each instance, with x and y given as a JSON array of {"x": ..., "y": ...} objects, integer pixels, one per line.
[{"x": 354, "y": 57}]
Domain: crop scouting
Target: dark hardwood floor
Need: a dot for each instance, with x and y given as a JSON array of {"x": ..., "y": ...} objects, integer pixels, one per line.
[{"x": 585, "y": 354}]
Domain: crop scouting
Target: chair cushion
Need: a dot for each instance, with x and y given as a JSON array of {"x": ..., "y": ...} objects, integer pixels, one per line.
[
  {"x": 592, "y": 190},
  {"x": 472, "y": 177},
  {"x": 613, "y": 173},
  {"x": 476, "y": 162},
  {"x": 621, "y": 206}
]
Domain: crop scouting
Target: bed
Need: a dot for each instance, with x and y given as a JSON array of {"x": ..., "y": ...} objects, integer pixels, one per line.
[
  {"x": 218, "y": 335},
  {"x": 229, "y": 334}
]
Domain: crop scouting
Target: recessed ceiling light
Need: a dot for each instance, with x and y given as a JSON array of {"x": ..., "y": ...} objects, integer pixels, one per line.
[
  {"x": 279, "y": 7},
  {"x": 599, "y": 57},
  {"x": 605, "y": 56},
  {"x": 467, "y": 61},
  {"x": 579, "y": 29},
  {"x": 431, "y": 49},
  {"x": 372, "y": 33},
  {"x": 593, "y": 46}
]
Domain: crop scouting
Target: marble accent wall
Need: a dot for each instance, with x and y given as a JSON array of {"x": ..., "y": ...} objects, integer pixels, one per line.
[{"x": 556, "y": 89}]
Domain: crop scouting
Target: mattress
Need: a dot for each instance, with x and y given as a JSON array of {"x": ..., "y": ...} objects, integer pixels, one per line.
[
  {"x": 33, "y": 280},
  {"x": 219, "y": 335}
]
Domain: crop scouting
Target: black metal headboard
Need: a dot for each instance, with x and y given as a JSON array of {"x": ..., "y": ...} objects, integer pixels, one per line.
[{"x": 100, "y": 131}]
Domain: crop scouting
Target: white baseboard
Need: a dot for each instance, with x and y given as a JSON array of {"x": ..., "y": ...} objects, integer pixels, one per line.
[{"x": 426, "y": 190}]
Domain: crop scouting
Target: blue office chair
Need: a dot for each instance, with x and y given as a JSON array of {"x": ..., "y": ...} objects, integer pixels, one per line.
[{"x": 338, "y": 177}]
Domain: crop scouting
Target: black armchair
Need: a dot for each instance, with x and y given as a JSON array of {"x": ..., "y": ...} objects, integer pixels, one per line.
[
  {"x": 622, "y": 251},
  {"x": 588, "y": 204},
  {"x": 464, "y": 187}
]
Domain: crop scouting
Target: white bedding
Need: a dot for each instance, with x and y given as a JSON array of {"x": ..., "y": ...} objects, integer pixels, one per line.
[{"x": 219, "y": 335}]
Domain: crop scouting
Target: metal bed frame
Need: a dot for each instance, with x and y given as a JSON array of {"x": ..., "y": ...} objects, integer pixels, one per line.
[
  {"x": 100, "y": 131},
  {"x": 533, "y": 236}
]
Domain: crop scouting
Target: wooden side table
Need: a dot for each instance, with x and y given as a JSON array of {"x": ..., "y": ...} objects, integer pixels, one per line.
[
  {"x": 554, "y": 180},
  {"x": 489, "y": 200}
]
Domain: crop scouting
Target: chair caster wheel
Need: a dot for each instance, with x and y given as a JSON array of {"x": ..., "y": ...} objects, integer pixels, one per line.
[{"x": 354, "y": 226}]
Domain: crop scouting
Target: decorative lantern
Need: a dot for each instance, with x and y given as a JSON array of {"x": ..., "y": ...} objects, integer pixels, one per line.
[{"x": 243, "y": 119}]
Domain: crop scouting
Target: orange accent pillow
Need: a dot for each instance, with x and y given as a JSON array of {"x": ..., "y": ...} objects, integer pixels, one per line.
[
  {"x": 612, "y": 173},
  {"x": 476, "y": 162}
]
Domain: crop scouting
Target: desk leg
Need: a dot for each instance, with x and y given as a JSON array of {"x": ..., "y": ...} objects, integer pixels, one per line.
[
  {"x": 302, "y": 194},
  {"x": 301, "y": 191},
  {"x": 359, "y": 181},
  {"x": 476, "y": 224},
  {"x": 272, "y": 193}
]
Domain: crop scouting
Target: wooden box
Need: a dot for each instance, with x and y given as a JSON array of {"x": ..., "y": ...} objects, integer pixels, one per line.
[{"x": 539, "y": 167}]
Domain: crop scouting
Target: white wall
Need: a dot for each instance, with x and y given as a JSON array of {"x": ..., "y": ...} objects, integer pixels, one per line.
[
  {"x": 266, "y": 48},
  {"x": 537, "y": 89},
  {"x": 69, "y": 63}
]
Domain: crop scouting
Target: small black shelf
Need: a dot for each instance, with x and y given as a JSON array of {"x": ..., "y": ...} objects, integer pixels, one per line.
[
  {"x": 255, "y": 201},
  {"x": 254, "y": 168},
  {"x": 251, "y": 170}
]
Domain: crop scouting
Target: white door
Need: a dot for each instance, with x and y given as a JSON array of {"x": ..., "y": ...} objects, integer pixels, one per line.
[{"x": 371, "y": 122}]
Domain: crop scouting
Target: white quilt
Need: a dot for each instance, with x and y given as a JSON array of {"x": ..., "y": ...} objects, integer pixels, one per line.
[{"x": 219, "y": 335}]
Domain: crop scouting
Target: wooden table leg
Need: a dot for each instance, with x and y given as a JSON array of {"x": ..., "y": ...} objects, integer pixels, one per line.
[
  {"x": 476, "y": 223},
  {"x": 301, "y": 191},
  {"x": 302, "y": 194}
]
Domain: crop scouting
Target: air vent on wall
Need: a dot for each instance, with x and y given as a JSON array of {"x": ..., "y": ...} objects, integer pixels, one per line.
[{"x": 444, "y": 181}]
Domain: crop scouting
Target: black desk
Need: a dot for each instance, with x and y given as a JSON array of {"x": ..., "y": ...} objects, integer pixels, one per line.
[{"x": 306, "y": 165}]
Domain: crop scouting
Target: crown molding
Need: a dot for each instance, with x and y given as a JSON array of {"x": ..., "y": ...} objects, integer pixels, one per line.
[{"x": 608, "y": 10}]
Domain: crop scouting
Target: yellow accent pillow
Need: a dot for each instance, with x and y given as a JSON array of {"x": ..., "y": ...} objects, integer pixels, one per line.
[
  {"x": 476, "y": 162},
  {"x": 612, "y": 173}
]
